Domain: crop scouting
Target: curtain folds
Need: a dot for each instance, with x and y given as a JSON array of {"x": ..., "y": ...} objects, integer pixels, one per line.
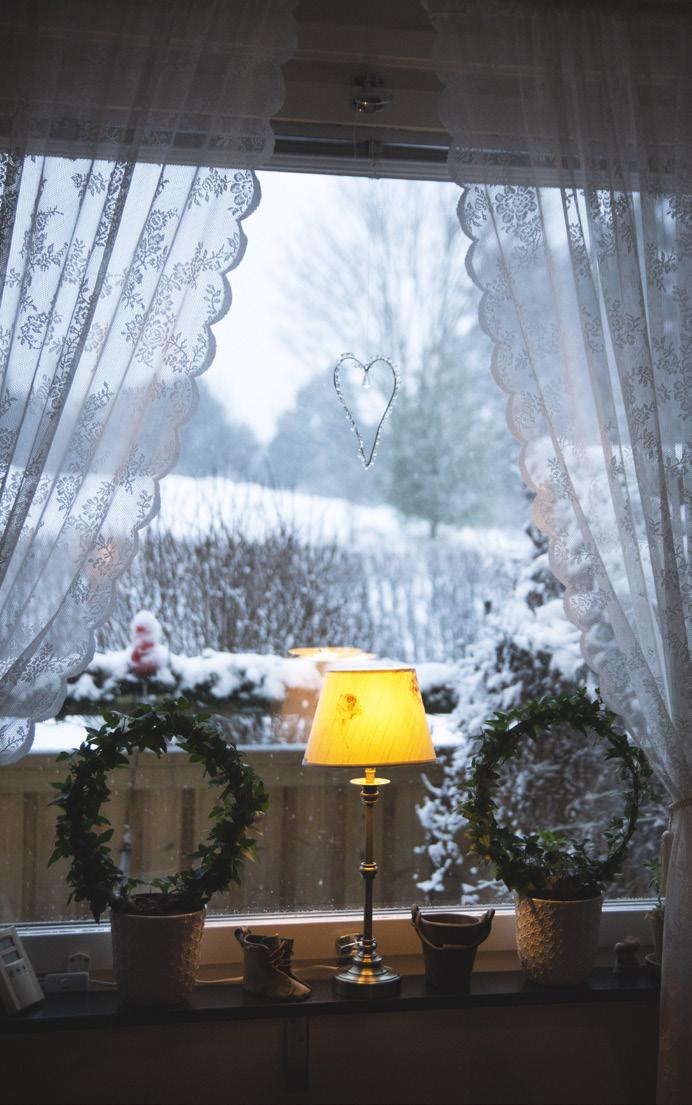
[
  {"x": 126, "y": 168},
  {"x": 571, "y": 135}
]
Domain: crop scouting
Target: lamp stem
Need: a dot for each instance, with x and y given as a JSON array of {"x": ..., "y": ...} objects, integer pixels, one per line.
[
  {"x": 367, "y": 976},
  {"x": 368, "y": 868}
]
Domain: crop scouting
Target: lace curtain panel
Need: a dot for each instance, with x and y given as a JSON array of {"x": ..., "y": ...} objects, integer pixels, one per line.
[
  {"x": 187, "y": 81},
  {"x": 126, "y": 174},
  {"x": 571, "y": 134}
]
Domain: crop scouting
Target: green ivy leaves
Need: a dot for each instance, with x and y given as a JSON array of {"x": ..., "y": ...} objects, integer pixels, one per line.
[
  {"x": 543, "y": 864},
  {"x": 83, "y": 834}
]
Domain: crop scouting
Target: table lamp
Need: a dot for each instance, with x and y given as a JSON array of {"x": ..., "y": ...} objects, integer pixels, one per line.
[{"x": 369, "y": 716}]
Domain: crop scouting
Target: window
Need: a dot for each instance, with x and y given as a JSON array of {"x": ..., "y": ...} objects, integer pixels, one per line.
[{"x": 272, "y": 536}]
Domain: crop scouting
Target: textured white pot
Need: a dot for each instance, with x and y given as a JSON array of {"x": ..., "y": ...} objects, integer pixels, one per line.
[
  {"x": 557, "y": 941},
  {"x": 156, "y": 959}
]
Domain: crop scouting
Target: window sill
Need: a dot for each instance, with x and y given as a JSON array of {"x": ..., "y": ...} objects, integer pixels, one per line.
[
  {"x": 229, "y": 1003},
  {"x": 314, "y": 934}
]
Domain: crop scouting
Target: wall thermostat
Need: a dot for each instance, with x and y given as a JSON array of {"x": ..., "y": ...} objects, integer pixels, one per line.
[{"x": 19, "y": 987}]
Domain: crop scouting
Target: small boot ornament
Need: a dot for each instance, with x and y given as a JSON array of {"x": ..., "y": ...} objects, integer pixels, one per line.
[{"x": 268, "y": 967}]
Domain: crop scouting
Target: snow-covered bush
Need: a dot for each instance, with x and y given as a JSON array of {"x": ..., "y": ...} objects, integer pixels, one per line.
[
  {"x": 525, "y": 650},
  {"x": 427, "y": 604},
  {"x": 263, "y": 698},
  {"x": 258, "y": 699},
  {"x": 237, "y": 569},
  {"x": 234, "y": 592}
]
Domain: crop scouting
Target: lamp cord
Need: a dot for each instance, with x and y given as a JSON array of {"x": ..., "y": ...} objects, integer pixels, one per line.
[{"x": 209, "y": 981}]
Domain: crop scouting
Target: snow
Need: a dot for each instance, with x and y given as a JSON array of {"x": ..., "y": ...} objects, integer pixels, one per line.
[
  {"x": 192, "y": 505},
  {"x": 465, "y": 692},
  {"x": 445, "y": 731},
  {"x": 58, "y": 736},
  {"x": 227, "y": 672},
  {"x": 432, "y": 674},
  {"x": 65, "y": 735},
  {"x": 221, "y": 674},
  {"x": 549, "y": 631}
]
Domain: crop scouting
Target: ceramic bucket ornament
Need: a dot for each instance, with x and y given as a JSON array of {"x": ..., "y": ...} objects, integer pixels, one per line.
[
  {"x": 450, "y": 942},
  {"x": 346, "y": 363}
]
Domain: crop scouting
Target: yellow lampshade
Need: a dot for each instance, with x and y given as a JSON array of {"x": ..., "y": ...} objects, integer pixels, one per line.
[{"x": 369, "y": 717}]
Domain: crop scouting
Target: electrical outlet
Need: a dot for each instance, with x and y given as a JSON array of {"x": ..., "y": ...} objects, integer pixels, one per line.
[{"x": 78, "y": 961}]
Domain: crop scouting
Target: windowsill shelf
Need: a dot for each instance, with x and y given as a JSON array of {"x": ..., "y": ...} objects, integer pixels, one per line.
[{"x": 228, "y": 1002}]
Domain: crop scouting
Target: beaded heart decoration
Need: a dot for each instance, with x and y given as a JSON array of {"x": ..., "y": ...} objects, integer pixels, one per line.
[{"x": 350, "y": 358}]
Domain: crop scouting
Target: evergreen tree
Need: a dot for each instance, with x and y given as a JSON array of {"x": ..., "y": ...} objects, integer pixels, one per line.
[
  {"x": 450, "y": 458},
  {"x": 214, "y": 445},
  {"x": 561, "y": 782},
  {"x": 390, "y": 278},
  {"x": 314, "y": 450}
]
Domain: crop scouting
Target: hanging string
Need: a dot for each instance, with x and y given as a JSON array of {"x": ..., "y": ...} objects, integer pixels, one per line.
[
  {"x": 365, "y": 382},
  {"x": 349, "y": 360}
]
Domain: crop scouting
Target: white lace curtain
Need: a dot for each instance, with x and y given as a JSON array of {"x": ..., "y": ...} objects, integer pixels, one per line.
[
  {"x": 130, "y": 131},
  {"x": 571, "y": 129}
]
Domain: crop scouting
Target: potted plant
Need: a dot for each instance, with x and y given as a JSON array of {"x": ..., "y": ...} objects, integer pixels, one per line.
[
  {"x": 558, "y": 885},
  {"x": 656, "y": 916},
  {"x": 156, "y": 933}
]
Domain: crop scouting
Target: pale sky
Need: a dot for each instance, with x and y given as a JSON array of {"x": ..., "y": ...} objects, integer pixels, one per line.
[{"x": 255, "y": 372}]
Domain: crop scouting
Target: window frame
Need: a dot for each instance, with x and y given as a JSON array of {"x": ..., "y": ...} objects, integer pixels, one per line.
[
  {"x": 49, "y": 945},
  {"x": 353, "y": 150}
]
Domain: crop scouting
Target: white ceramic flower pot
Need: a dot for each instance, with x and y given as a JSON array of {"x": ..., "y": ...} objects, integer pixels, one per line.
[
  {"x": 156, "y": 958},
  {"x": 557, "y": 941}
]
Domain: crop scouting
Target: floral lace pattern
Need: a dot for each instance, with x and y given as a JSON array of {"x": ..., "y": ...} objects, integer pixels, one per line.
[
  {"x": 114, "y": 273},
  {"x": 130, "y": 132},
  {"x": 156, "y": 80},
  {"x": 581, "y": 226}
]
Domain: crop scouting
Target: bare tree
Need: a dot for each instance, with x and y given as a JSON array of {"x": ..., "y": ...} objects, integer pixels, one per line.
[{"x": 388, "y": 276}]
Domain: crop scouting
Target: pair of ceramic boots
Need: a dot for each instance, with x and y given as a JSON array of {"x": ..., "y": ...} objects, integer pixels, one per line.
[{"x": 267, "y": 969}]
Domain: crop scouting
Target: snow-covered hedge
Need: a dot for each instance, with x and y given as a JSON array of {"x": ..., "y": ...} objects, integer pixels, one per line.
[
  {"x": 526, "y": 649},
  {"x": 228, "y": 682},
  {"x": 239, "y": 568}
]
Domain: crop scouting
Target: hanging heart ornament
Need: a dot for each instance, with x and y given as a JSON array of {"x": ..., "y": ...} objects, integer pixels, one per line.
[{"x": 346, "y": 361}]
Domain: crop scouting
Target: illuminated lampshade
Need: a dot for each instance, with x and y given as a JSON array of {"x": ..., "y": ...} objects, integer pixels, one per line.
[{"x": 369, "y": 716}]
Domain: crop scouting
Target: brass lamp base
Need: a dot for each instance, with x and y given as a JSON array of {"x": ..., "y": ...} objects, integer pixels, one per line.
[{"x": 367, "y": 977}]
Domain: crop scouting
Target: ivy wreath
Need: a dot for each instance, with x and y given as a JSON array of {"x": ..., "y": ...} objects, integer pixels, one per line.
[
  {"x": 83, "y": 833},
  {"x": 543, "y": 864}
]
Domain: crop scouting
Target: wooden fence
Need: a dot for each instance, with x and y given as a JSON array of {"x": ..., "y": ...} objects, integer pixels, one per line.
[{"x": 309, "y": 849}]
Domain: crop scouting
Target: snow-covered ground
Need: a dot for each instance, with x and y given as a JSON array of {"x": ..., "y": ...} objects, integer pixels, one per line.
[
  {"x": 192, "y": 505},
  {"x": 64, "y": 736}
]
